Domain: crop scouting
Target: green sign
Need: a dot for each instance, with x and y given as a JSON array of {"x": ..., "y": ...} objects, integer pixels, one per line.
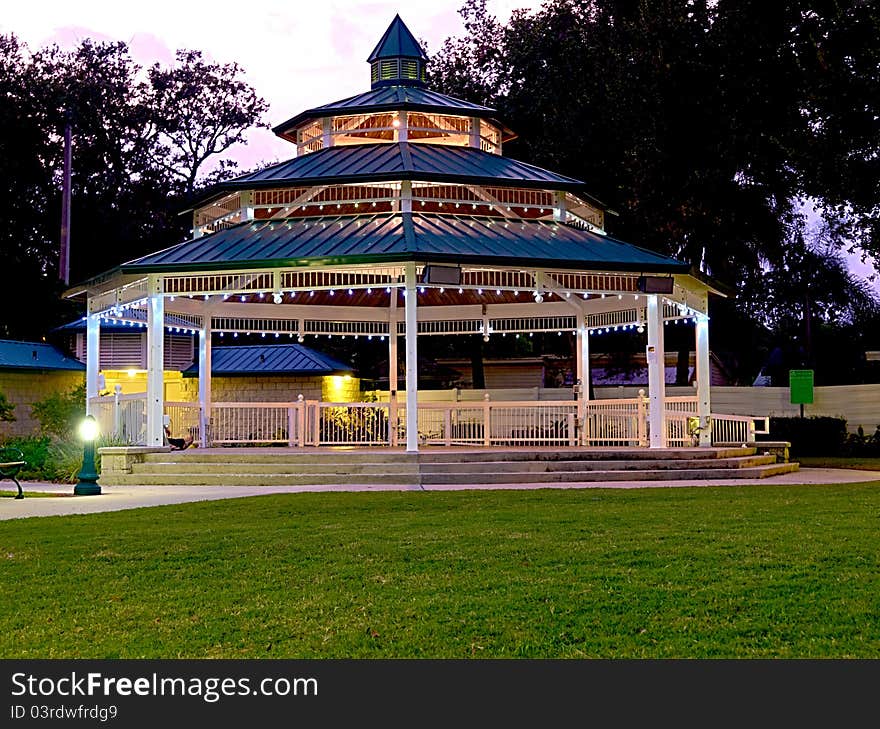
[{"x": 800, "y": 384}]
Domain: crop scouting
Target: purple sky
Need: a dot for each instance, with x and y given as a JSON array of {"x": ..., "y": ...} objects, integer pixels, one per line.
[{"x": 296, "y": 54}]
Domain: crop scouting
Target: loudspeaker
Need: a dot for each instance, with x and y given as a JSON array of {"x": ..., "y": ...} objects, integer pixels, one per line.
[
  {"x": 444, "y": 275},
  {"x": 656, "y": 284}
]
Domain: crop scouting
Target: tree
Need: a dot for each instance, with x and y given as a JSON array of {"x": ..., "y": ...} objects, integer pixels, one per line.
[
  {"x": 199, "y": 110},
  {"x": 129, "y": 179},
  {"x": 705, "y": 124}
]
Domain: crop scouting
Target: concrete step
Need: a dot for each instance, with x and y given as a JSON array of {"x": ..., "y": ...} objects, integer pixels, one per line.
[
  {"x": 452, "y": 455},
  {"x": 338, "y": 469},
  {"x": 601, "y": 465},
  {"x": 463, "y": 477},
  {"x": 254, "y": 479},
  {"x": 692, "y": 474}
]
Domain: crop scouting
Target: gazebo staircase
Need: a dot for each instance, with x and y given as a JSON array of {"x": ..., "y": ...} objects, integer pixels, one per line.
[{"x": 438, "y": 468}]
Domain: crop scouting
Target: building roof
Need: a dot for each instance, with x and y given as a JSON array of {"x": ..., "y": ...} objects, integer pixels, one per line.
[
  {"x": 391, "y": 237},
  {"x": 397, "y": 42},
  {"x": 270, "y": 359},
  {"x": 393, "y": 98},
  {"x": 16, "y": 355},
  {"x": 403, "y": 161}
]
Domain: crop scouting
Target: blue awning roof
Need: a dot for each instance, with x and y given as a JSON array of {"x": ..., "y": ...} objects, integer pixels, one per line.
[
  {"x": 270, "y": 359},
  {"x": 17, "y": 355},
  {"x": 405, "y": 236},
  {"x": 404, "y": 161}
]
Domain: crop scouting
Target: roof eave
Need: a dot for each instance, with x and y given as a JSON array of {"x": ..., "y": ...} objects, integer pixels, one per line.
[{"x": 419, "y": 256}]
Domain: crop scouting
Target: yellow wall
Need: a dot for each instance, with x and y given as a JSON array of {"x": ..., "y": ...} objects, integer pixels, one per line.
[
  {"x": 134, "y": 381},
  {"x": 340, "y": 388},
  {"x": 22, "y": 389}
]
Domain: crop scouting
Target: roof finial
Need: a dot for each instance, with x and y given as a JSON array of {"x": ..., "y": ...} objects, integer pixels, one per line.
[{"x": 397, "y": 59}]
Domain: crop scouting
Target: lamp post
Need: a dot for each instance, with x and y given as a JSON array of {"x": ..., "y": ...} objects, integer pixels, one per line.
[{"x": 88, "y": 476}]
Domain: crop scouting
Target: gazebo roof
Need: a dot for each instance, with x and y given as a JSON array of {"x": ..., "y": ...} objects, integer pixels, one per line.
[
  {"x": 270, "y": 359},
  {"x": 396, "y": 42},
  {"x": 404, "y": 161},
  {"x": 392, "y": 98},
  {"x": 404, "y": 236}
]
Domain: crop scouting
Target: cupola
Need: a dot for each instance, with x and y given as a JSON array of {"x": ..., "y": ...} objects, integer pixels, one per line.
[{"x": 398, "y": 59}]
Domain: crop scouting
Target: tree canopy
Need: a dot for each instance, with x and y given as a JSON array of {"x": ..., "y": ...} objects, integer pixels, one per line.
[
  {"x": 141, "y": 138},
  {"x": 707, "y": 126}
]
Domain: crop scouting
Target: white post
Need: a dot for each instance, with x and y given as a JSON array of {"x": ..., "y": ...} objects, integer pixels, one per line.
[
  {"x": 205, "y": 381},
  {"x": 656, "y": 373},
  {"x": 392, "y": 369},
  {"x": 703, "y": 375},
  {"x": 474, "y": 133},
  {"x": 412, "y": 374},
  {"x": 155, "y": 363},
  {"x": 93, "y": 358},
  {"x": 583, "y": 378}
]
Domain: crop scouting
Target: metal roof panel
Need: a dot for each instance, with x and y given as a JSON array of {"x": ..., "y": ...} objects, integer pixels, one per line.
[
  {"x": 272, "y": 359},
  {"x": 18, "y": 355},
  {"x": 406, "y": 236}
]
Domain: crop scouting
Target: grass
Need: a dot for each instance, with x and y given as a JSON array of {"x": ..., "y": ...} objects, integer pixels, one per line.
[
  {"x": 861, "y": 463},
  {"x": 752, "y": 572},
  {"x": 32, "y": 494}
]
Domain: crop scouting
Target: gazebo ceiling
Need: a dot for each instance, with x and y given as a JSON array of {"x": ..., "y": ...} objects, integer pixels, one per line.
[{"x": 404, "y": 236}]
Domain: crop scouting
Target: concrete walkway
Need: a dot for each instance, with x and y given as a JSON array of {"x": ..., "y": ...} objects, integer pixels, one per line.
[{"x": 118, "y": 498}]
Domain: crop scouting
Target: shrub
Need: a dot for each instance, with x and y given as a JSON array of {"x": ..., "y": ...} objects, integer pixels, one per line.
[
  {"x": 56, "y": 460},
  {"x": 7, "y": 409},
  {"x": 859, "y": 445},
  {"x": 812, "y": 436},
  {"x": 60, "y": 413}
]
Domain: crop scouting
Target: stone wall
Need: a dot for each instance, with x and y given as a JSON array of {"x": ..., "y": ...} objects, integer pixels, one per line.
[{"x": 22, "y": 389}]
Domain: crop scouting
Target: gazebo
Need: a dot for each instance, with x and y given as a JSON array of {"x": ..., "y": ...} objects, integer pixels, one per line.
[{"x": 399, "y": 217}]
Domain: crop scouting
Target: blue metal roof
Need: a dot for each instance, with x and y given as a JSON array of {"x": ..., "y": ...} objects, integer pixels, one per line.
[
  {"x": 271, "y": 359},
  {"x": 15, "y": 355},
  {"x": 397, "y": 42},
  {"x": 390, "y": 237},
  {"x": 392, "y": 98},
  {"x": 404, "y": 161}
]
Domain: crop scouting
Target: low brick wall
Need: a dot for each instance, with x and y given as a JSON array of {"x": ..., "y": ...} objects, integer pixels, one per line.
[
  {"x": 22, "y": 389},
  {"x": 259, "y": 389}
]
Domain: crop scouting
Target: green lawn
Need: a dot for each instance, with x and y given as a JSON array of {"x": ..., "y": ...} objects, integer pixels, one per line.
[
  {"x": 31, "y": 494},
  {"x": 865, "y": 464},
  {"x": 757, "y": 571}
]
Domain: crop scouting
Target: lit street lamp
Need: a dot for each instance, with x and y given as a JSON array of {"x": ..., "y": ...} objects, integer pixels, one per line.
[{"x": 88, "y": 476}]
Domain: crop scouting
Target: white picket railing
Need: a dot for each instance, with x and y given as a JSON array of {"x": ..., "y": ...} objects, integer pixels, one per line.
[
  {"x": 184, "y": 417},
  {"x": 257, "y": 423},
  {"x": 122, "y": 417},
  {"x": 621, "y": 422}
]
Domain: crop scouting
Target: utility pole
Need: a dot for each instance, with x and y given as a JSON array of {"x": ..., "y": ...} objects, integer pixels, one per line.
[{"x": 64, "y": 258}]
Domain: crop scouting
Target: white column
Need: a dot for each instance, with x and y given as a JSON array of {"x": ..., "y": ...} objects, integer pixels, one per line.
[
  {"x": 703, "y": 375},
  {"x": 412, "y": 374},
  {"x": 205, "y": 380},
  {"x": 656, "y": 373},
  {"x": 583, "y": 376},
  {"x": 392, "y": 367},
  {"x": 474, "y": 133},
  {"x": 93, "y": 358},
  {"x": 155, "y": 363}
]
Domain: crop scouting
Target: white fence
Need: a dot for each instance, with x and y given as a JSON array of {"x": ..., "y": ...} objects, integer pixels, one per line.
[
  {"x": 122, "y": 417},
  {"x": 616, "y": 422}
]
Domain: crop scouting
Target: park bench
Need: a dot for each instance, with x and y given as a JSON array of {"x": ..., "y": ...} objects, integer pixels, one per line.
[{"x": 11, "y": 462}]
